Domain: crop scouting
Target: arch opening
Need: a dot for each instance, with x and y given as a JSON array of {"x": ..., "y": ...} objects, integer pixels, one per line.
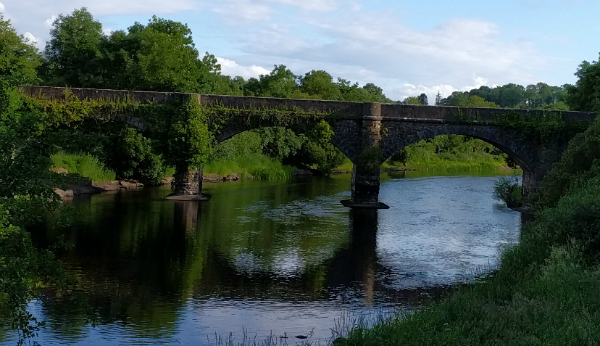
[{"x": 311, "y": 149}]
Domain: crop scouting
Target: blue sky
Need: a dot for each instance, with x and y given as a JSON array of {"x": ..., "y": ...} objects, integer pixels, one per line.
[{"x": 406, "y": 47}]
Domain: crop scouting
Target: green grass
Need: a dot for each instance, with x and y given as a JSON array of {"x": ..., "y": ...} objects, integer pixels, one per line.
[
  {"x": 344, "y": 167},
  {"x": 254, "y": 166},
  {"x": 85, "y": 165}
]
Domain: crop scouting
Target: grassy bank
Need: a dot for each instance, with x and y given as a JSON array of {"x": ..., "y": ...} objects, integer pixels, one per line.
[
  {"x": 253, "y": 166},
  {"x": 85, "y": 165},
  {"x": 546, "y": 291}
]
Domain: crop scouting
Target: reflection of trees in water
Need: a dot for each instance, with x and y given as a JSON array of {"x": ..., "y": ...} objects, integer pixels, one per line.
[{"x": 140, "y": 258}]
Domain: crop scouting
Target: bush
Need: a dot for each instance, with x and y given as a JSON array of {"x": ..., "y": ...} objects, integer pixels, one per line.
[
  {"x": 509, "y": 190},
  {"x": 132, "y": 157},
  {"x": 579, "y": 163}
]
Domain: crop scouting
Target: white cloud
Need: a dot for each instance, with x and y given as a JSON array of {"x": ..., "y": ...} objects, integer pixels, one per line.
[
  {"x": 310, "y": 5},
  {"x": 231, "y": 68},
  {"x": 107, "y": 31},
  {"x": 2, "y": 8},
  {"x": 449, "y": 54},
  {"x": 50, "y": 21},
  {"x": 247, "y": 11},
  {"x": 34, "y": 40}
]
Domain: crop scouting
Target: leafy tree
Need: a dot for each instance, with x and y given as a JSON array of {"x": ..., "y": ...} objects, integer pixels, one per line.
[
  {"x": 132, "y": 157},
  {"x": 318, "y": 152},
  {"x": 376, "y": 92},
  {"x": 73, "y": 52},
  {"x": 477, "y": 101},
  {"x": 163, "y": 57},
  {"x": 585, "y": 94},
  {"x": 438, "y": 99},
  {"x": 18, "y": 58},
  {"x": 26, "y": 189},
  {"x": 352, "y": 92},
  {"x": 320, "y": 83},
  {"x": 281, "y": 82},
  {"x": 423, "y": 99},
  {"x": 457, "y": 98},
  {"x": 557, "y": 106},
  {"x": 412, "y": 100}
]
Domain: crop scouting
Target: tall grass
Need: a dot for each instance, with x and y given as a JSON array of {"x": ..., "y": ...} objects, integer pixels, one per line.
[
  {"x": 83, "y": 164},
  {"x": 253, "y": 166}
]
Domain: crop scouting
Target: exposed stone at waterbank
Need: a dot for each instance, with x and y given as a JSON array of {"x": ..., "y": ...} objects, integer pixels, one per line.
[
  {"x": 367, "y": 133},
  {"x": 87, "y": 187}
]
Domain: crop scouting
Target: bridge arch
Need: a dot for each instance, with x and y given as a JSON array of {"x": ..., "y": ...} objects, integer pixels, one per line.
[
  {"x": 526, "y": 153},
  {"x": 348, "y": 145}
]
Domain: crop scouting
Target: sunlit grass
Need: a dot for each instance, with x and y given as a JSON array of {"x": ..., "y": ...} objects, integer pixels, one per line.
[
  {"x": 85, "y": 165},
  {"x": 253, "y": 166}
]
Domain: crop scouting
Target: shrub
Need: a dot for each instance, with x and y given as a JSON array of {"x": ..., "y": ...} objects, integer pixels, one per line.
[{"x": 509, "y": 190}]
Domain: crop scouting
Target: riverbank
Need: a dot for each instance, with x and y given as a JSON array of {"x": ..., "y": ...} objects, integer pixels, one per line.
[
  {"x": 546, "y": 290},
  {"x": 544, "y": 294},
  {"x": 84, "y": 174}
]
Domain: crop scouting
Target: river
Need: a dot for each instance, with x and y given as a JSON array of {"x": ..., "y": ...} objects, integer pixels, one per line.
[{"x": 284, "y": 259}]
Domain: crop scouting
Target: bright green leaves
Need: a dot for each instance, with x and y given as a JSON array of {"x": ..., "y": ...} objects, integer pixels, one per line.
[
  {"x": 320, "y": 84},
  {"x": 18, "y": 58},
  {"x": 585, "y": 94},
  {"x": 73, "y": 52},
  {"x": 189, "y": 140}
]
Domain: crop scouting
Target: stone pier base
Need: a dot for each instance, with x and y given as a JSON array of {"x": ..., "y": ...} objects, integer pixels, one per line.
[
  {"x": 365, "y": 190},
  {"x": 187, "y": 186}
]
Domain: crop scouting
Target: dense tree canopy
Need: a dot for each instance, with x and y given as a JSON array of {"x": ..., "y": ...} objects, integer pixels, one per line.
[{"x": 585, "y": 94}]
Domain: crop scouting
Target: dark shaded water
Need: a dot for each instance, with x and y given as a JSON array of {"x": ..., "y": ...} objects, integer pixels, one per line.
[{"x": 285, "y": 258}]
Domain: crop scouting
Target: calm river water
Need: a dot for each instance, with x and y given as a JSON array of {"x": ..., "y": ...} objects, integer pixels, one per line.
[{"x": 284, "y": 258}]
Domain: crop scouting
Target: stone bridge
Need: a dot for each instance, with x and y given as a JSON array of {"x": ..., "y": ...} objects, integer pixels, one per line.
[{"x": 367, "y": 133}]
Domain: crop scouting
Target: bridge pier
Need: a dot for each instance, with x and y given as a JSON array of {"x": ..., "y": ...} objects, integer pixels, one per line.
[
  {"x": 365, "y": 189},
  {"x": 187, "y": 186},
  {"x": 366, "y": 168}
]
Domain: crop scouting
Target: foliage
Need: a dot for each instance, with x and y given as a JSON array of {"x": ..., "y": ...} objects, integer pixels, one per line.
[
  {"x": 244, "y": 144},
  {"x": 585, "y": 94},
  {"x": 321, "y": 84},
  {"x": 412, "y": 100},
  {"x": 71, "y": 54},
  {"x": 132, "y": 157},
  {"x": 317, "y": 150},
  {"x": 18, "y": 58},
  {"x": 253, "y": 166},
  {"x": 189, "y": 139},
  {"x": 370, "y": 158},
  {"x": 450, "y": 150},
  {"x": 510, "y": 95},
  {"x": 26, "y": 198},
  {"x": 85, "y": 165},
  {"x": 509, "y": 190},
  {"x": 578, "y": 164},
  {"x": 159, "y": 56}
]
